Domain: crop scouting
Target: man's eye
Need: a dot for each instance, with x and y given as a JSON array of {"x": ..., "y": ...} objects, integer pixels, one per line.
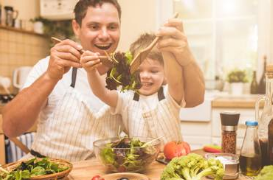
[
  {"x": 94, "y": 27},
  {"x": 113, "y": 27}
]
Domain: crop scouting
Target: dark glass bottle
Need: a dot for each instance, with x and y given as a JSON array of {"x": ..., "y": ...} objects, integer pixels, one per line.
[
  {"x": 261, "y": 87},
  {"x": 250, "y": 155},
  {"x": 254, "y": 84},
  {"x": 267, "y": 114}
]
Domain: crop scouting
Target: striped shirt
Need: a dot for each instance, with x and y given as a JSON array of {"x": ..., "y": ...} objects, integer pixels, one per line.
[{"x": 72, "y": 119}]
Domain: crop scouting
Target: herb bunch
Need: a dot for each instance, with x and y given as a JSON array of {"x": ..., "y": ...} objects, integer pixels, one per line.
[{"x": 119, "y": 74}]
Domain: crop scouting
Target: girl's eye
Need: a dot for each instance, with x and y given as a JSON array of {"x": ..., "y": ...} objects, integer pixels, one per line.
[{"x": 154, "y": 71}]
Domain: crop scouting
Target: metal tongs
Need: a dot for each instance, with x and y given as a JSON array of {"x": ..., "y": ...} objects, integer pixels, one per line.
[{"x": 106, "y": 60}]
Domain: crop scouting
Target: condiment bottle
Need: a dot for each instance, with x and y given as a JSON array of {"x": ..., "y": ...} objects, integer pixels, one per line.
[
  {"x": 267, "y": 114},
  {"x": 250, "y": 156},
  {"x": 229, "y": 121}
]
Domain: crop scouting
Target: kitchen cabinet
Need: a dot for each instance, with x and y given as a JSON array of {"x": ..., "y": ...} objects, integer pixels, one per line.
[{"x": 197, "y": 134}]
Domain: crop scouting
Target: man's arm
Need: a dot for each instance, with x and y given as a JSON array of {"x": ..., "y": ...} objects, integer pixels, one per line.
[
  {"x": 174, "y": 41},
  {"x": 90, "y": 62},
  {"x": 21, "y": 113}
]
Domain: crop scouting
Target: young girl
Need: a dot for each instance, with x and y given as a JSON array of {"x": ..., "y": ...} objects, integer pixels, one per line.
[{"x": 154, "y": 110}]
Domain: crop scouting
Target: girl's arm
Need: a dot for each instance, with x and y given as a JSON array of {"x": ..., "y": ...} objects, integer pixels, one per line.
[{"x": 90, "y": 63}]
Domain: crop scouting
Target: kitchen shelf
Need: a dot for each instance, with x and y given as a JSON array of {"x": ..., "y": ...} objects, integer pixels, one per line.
[{"x": 21, "y": 30}]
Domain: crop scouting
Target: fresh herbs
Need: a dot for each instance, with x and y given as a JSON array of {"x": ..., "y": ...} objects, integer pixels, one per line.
[
  {"x": 31, "y": 168},
  {"x": 119, "y": 74},
  {"x": 128, "y": 154}
]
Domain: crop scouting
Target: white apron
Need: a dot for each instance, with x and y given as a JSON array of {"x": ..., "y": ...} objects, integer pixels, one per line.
[
  {"x": 163, "y": 121},
  {"x": 71, "y": 129}
]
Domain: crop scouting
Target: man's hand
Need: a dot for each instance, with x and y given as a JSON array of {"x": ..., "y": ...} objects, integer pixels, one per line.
[
  {"x": 174, "y": 41},
  {"x": 63, "y": 56}
]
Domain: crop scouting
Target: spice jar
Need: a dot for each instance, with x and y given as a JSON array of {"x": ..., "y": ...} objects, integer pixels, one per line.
[{"x": 229, "y": 121}]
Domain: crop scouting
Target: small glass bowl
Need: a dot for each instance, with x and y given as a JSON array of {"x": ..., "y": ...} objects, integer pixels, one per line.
[{"x": 230, "y": 163}]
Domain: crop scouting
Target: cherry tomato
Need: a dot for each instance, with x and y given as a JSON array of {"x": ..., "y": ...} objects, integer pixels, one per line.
[
  {"x": 97, "y": 177},
  {"x": 175, "y": 149}
]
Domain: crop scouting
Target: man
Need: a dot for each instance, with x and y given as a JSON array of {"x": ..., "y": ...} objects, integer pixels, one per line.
[{"x": 57, "y": 89}]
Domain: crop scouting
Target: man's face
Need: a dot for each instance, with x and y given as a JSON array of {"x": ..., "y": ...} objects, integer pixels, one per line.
[{"x": 100, "y": 29}]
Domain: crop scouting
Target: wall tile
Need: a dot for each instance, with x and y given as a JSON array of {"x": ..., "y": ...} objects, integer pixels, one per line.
[{"x": 20, "y": 49}]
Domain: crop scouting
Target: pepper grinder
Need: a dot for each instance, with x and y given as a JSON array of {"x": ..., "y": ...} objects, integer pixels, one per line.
[{"x": 229, "y": 121}]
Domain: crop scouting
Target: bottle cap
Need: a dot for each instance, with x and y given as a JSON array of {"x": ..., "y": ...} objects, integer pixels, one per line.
[
  {"x": 251, "y": 123},
  {"x": 229, "y": 118}
]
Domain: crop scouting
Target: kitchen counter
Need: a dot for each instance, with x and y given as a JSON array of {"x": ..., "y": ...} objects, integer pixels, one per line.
[
  {"x": 84, "y": 170},
  {"x": 229, "y": 101}
]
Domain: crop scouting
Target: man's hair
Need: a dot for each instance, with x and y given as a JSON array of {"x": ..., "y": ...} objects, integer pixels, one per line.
[
  {"x": 82, "y": 6},
  {"x": 144, "y": 41}
]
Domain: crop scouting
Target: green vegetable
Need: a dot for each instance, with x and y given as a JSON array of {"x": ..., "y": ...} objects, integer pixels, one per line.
[
  {"x": 128, "y": 154},
  {"x": 192, "y": 167},
  {"x": 266, "y": 173},
  {"x": 31, "y": 168},
  {"x": 119, "y": 75}
]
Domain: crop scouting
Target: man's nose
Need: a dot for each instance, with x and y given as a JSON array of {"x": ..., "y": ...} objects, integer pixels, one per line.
[{"x": 104, "y": 33}]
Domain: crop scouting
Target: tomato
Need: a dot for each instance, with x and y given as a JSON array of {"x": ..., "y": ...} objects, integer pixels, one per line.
[
  {"x": 97, "y": 177},
  {"x": 175, "y": 149}
]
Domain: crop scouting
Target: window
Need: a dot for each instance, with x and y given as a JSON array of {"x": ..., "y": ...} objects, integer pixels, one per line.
[{"x": 225, "y": 34}]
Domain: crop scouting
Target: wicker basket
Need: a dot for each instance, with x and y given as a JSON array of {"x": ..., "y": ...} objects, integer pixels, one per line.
[{"x": 59, "y": 175}]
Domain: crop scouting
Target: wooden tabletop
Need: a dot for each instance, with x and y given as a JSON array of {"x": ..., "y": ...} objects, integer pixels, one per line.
[{"x": 85, "y": 170}]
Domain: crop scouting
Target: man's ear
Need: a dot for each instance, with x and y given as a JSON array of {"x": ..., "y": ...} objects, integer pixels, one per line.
[
  {"x": 76, "y": 28},
  {"x": 165, "y": 81}
]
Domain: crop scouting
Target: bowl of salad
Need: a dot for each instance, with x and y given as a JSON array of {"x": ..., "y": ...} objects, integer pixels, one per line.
[{"x": 127, "y": 154}]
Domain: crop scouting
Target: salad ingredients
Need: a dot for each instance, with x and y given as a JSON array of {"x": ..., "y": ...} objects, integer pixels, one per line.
[
  {"x": 31, "y": 168},
  {"x": 119, "y": 74},
  {"x": 128, "y": 154},
  {"x": 212, "y": 148},
  {"x": 175, "y": 149},
  {"x": 97, "y": 177},
  {"x": 266, "y": 173},
  {"x": 193, "y": 167}
]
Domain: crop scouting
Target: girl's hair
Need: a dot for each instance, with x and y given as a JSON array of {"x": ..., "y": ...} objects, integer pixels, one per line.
[
  {"x": 142, "y": 42},
  {"x": 82, "y": 6}
]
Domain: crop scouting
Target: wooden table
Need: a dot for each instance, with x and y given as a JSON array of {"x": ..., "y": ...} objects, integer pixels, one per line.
[{"x": 85, "y": 170}]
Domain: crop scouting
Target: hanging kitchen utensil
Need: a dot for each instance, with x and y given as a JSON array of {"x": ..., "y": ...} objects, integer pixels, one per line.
[{"x": 138, "y": 59}]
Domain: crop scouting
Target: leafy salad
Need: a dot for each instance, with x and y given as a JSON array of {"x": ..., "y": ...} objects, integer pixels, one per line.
[
  {"x": 31, "y": 168},
  {"x": 119, "y": 75},
  {"x": 128, "y": 155}
]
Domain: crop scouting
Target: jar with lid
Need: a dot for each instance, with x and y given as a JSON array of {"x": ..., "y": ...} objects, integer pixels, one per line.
[
  {"x": 250, "y": 156},
  {"x": 266, "y": 115},
  {"x": 229, "y": 121}
]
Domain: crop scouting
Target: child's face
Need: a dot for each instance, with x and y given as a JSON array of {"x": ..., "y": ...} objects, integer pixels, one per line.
[{"x": 151, "y": 76}]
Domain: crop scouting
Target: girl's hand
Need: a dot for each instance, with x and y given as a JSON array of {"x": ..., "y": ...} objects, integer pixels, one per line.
[{"x": 90, "y": 61}]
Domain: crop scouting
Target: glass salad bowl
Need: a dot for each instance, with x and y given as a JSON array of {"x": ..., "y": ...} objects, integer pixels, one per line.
[{"x": 124, "y": 154}]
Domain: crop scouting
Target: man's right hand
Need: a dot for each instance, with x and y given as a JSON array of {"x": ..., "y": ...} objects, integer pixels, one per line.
[{"x": 63, "y": 56}]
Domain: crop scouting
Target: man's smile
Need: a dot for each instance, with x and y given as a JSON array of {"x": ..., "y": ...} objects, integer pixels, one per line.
[{"x": 103, "y": 46}]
